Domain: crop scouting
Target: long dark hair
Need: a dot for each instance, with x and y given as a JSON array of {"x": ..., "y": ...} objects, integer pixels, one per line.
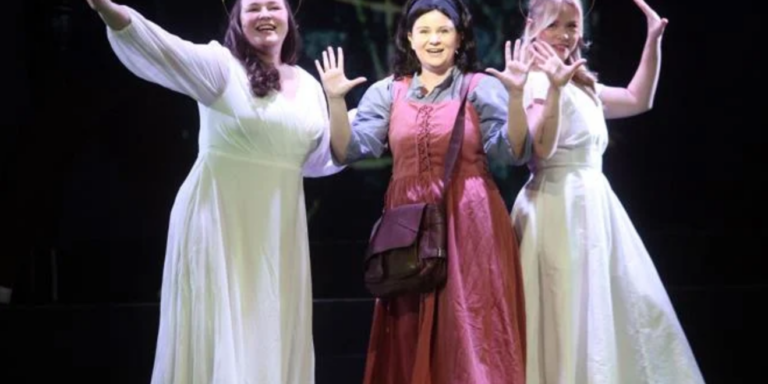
[
  {"x": 405, "y": 62},
  {"x": 263, "y": 77}
]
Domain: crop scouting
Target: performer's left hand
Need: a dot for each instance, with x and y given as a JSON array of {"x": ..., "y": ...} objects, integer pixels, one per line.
[{"x": 656, "y": 24}]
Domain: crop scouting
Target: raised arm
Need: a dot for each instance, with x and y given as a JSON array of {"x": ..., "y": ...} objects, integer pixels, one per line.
[
  {"x": 543, "y": 104},
  {"x": 491, "y": 101},
  {"x": 638, "y": 96},
  {"x": 336, "y": 86},
  {"x": 196, "y": 70},
  {"x": 514, "y": 77},
  {"x": 319, "y": 162}
]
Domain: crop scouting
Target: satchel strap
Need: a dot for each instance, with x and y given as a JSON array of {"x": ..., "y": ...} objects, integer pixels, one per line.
[{"x": 457, "y": 137}]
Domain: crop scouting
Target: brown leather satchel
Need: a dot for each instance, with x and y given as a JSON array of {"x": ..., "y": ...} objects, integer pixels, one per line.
[{"x": 408, "y": 252}]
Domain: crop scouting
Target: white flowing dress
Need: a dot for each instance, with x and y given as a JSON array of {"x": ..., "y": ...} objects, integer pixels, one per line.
[
  {"x": 236, "y": 303},
  {"x": 596, "y": 309}
]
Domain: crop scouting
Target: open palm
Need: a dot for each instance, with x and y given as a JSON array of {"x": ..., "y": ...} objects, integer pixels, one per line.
[
  {"x": 548, "y": 62},
  {"x": 518, "y": 64},
  {"x": 335, "y": 82},
  {"x": 656, "y": 24}
]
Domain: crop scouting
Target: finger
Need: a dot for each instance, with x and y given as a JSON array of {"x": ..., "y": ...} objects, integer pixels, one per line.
[
  {"x": 517, "y": 50},
  {"x": 529, "y": 58},
  {"x": 358, "y": 81},
  {"x": 493, "y": 72},
  {"x": 575, "y": 66},
  {"x": 325, "y": 60},
  {"x": 319, "y": 68},
  {"x": 508, "y": 51},
  {"x": 539, "y": 56},
  {"x": 549, "y": 49},
  {"x": 662, "y": 26},
  {"x": 538, "y": 48},
  {"x": 540, "y": 52},
  {"x": 332, "y": 58},
  {"x": 341, "y": 58},
  {"x": 528, "y": 64}
]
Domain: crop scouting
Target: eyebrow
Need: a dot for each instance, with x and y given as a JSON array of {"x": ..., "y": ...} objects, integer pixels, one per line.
[
  {"x": 269, "y": 3},
  {"x": 438, "y": 27}
]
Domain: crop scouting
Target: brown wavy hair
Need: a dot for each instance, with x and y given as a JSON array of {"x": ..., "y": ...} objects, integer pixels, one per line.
[
  {"x": 405, "y": 62},
  {"x": 262, "y": 76}
]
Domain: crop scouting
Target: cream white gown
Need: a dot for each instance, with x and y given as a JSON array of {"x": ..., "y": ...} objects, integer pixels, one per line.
[
  {"x": 236, "y": 303},
  {"x": 596, "y": 310}
]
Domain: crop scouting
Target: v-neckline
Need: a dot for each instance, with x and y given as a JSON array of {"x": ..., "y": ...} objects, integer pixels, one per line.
[{"x": 594, "y": 100}]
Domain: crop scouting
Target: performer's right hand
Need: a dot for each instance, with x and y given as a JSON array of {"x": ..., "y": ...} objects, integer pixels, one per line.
[{"x": 335, "y": 82}]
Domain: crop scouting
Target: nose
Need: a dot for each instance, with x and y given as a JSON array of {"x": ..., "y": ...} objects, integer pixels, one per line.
[
  {"x": 263, "y": 14},
  {"x": 434, "y": 39}
]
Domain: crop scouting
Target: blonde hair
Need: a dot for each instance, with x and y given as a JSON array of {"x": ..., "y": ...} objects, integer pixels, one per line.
[{"x": 542, "y": 13}]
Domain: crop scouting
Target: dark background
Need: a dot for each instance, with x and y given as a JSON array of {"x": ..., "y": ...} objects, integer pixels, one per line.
[{"x": 91, "y": 158}]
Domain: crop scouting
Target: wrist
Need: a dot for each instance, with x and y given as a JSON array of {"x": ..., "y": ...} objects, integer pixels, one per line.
[
  {"x": 653, "y": 41},
  {"x": 515, "y": 94},
  {"x": 555, "y": 89},
  {"x": 335, "y": 98}
]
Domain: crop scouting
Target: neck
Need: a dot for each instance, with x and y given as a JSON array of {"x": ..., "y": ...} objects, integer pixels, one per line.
[
  {"x": 270, "y": 57},
  {"x": 430, "y": 78}
]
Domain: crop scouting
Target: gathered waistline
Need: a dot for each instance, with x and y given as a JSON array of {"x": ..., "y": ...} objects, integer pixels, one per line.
[
  {"x": 433, "y": 176},
  {"x": 577, "y": 159},
  {"x": 215, "y": 152}
]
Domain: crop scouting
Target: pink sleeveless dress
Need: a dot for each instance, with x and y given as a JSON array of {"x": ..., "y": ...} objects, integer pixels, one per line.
[{"x": 472, "y": 331}]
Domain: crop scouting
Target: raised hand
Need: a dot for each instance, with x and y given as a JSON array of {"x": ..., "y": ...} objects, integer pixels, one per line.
[
  {"x": 98, "y": 4},
  {"x": 335, "y": 82},
  {"x": 656, "y": 24},
  {"x": 518, "y": 64},
  {"x": 549, "y": 62}
]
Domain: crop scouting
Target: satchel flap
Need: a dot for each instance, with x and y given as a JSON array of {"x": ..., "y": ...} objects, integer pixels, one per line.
[{"x": 398, "y": 228}]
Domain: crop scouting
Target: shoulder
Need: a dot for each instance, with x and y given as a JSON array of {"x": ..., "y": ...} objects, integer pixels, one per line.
[
  {"x": 306, "y": 79},
  {"x": 219, "y": 52},
  {"x": 485, "y": 88},
  {"x": 384, "y": 85},
  {"x": 483, "y": 81},
  {"x": 380, "y": 91}
]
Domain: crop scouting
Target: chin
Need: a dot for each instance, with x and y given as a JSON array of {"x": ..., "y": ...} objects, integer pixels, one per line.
[
  {"x": 266, "y": 45},
  {"x": 437, "y": 65}
]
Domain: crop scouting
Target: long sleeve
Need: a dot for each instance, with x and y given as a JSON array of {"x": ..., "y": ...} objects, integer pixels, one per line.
[
  {"x": 491, "y": 101},
  {"x": 371, "y": 123},
  {"x": 320, "y": 161},
  {"x": 151, "y": 53}
]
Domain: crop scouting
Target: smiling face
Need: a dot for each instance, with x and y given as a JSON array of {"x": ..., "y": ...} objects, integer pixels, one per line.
[
  {"x": 435, "y": 40},
  {"x": 264, "y": 23},
  {"x": 564, "y": 32}
]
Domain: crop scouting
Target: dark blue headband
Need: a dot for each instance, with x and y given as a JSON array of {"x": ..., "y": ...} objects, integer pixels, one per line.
[{"x": 448, "y": 7}]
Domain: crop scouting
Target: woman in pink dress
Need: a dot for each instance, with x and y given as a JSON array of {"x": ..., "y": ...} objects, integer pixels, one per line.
[{"x": 472, "y": 329}]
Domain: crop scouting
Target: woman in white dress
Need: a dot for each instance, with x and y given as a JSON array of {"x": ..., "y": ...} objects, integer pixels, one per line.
[
  {"x": 236, "y": 304},
  {"x": 596, "y": 310}
]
